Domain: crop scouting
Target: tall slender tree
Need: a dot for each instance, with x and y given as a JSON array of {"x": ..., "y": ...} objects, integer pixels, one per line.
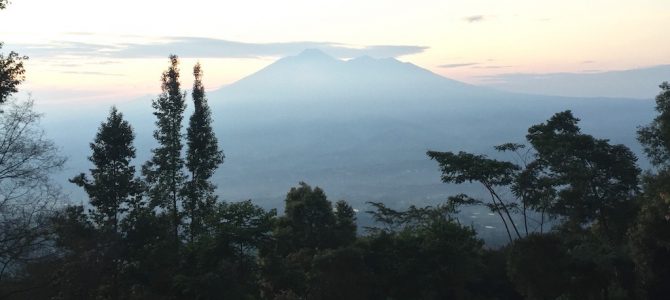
[
  {"x": 164, "y": 171},
  {"x": 202, "y": 158}
]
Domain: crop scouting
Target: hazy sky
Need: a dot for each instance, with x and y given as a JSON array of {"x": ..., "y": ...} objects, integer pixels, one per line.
[{"x": 83, "y": 49}]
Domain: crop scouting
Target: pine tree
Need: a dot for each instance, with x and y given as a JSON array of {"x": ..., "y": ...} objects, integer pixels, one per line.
[
  {"x": 112, "y": 190},
  {"x": 112, "y": 184},
  {"x": 202, "y": 158},
  {"x": 345, "y": 223},
  {"x": 164, "y": 171}
]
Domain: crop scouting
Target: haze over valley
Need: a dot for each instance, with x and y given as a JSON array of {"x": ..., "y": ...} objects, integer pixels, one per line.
[{"x": 358, "y": 128}]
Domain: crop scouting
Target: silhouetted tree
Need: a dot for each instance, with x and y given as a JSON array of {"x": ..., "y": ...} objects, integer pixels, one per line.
[
  {"x": 113, "y": 182},
  {"x": 164, "y": 171},
  {"x": 571, "y": 175},
  {"x": 649, "y": 237},
  {"x": 28, "y": 197},
  {"x": 223, "y": 263},
  {"x": 11, "y": 73},
  {"x": 655, "y": 137},
  {"x": 345, "y": 223},
  {"x": 202, "y": 158},
  {"x": 309, "y": 226},
  {"x": 79, "y": 274},
  {"x": 11, "y": 69},
  {"x": 422, "y": 253},
  {"x": 592, "y": 180},
  {"x": 111, "y": 192},
  {"x": 308, "y": 220},
  {"x": 466, "y": 167}
]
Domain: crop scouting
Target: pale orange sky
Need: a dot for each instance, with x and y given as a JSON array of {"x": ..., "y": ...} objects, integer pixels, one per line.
[{"x": 463, "y": 40}]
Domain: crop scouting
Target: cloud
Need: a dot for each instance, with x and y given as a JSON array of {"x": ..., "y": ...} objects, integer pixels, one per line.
[
  {"x": 65, "y": 49},
  {"x": 458, "y": 65},
  {"x": 474, "y": 18},
  {"x": 588, "y": 61},
  {"x": 90, "y": 73},
  {"x": 196, "y": 47},
  {"x": 492, "y": 67}
]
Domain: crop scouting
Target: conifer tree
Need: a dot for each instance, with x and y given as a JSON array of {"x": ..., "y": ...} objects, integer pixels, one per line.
[
  {"x": 112, "y": 184},
  {"x": 164, "y": 171},
  {"x": 202, "y": 158},
  {"x": 112, "y": 189}
]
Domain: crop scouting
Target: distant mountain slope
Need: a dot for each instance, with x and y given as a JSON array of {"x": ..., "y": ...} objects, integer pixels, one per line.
[
  {"x": 314, "y": 72},
  {"x": 357, "y": 128},
  {"x": 367, "y": 123},
  {"x": 639, "y": 83}
]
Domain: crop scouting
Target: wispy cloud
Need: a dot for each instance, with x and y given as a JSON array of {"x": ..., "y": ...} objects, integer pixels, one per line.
[
  {"x": 197, "y": 47},
  {"x": 474, "y": 18},
  {"x": 585, "y": 62},
  {"x": 457, "y": 65},
  {"x": 90, "y": 73},
  {"x": 493, "y": 67}
]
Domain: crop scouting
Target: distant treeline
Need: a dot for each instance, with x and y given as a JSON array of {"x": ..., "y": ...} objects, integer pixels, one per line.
[{"x": 582, "y": 220}]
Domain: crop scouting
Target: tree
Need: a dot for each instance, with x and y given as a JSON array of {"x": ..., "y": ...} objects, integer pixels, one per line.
[
  {"x": 113, "y": 182},
  {"x": 164, "y": 171},
  {"x": 111, "y": 191},
  {"x": 345, "y": 223},
  {"x": 591, "y": 179},
  {"x": 649, "y": 238},
  {"x": 422, "y": 253},
  {"x": 202, "y": 158},
  {"x": 655, "y": 137},
  {"x": 466, "y": 167},
  {"x": 11, "y": 69},
  {"x": 27, "y": 196},
  {"x": 308, "y": 218},
  {"x": 586, "y": 184},
  {"x": 223, "y": 263},
  {"x": 537, "y": 265},
  {"x": 11, "y": 73},
  {"x": 572, "y": 175},
  {"x": 308, "y": 227}
]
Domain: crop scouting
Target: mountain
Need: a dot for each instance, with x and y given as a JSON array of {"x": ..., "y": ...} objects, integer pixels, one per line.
[
  {"x": 358, "y": 128},
  {"x": 635, "y": 83}
]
